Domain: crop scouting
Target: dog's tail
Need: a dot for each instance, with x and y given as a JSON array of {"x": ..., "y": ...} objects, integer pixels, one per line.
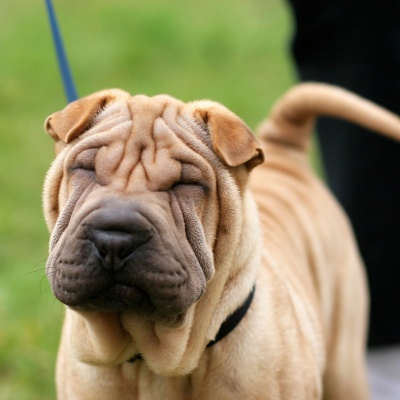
[{"x": 292, "y": 118}]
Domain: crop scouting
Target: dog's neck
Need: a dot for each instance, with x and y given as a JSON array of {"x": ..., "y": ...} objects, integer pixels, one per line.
[{"x": 226, "y": 328}]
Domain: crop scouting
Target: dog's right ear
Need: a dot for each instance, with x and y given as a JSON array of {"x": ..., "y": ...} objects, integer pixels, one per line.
[
  {"x": 233, "y": 141},
  {"x": 77, "y": 117}
]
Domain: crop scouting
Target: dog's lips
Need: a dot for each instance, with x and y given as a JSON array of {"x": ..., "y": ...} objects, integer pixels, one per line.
[
  {"x": 123, "y": 298},
  {"x": 118, "y": 297},
  {"x": 130, "y": 293}
]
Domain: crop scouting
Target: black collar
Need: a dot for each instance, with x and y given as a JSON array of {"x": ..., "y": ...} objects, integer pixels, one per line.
[
  {"x": 233, "y": 320},
  {"x": 227, "y": 327}
]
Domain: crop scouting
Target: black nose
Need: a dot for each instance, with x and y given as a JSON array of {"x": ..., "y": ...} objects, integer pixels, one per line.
[{"x": 116, "y": 236}]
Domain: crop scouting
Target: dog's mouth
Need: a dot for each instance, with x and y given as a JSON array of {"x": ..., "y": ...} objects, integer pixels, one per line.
[
  {"x": 124, "y": 298},
  {"x": 117, "y": 298},
  {"x": 158, "y": 292}
]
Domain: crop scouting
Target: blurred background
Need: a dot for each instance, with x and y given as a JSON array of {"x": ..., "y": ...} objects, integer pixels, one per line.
[{"x": 231, "y": 51}]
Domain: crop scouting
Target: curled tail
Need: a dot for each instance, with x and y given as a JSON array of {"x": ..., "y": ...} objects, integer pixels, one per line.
[{"x": 293, "y": 116}]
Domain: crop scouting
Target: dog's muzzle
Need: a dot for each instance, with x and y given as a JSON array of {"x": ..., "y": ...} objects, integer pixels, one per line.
[{"x": 123, "y": 257}]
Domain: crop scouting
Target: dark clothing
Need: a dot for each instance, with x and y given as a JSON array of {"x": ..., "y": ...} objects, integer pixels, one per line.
[{"x": 356, "y": 44}]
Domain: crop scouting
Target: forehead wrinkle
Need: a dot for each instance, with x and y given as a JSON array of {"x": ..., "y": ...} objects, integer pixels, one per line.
[
  {"x": 140, "y": 138},
  {"x": 142, "y": 162},
  {"x": 158, "y": 163}
]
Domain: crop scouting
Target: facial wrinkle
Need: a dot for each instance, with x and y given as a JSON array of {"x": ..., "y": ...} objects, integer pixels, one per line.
[
  {"x": 196, "y": 139},
  {"x": 140, "y": 149},
  {"x": 148, "y": 155}
]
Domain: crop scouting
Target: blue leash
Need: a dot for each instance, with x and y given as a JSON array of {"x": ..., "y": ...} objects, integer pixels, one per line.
[{"x": 68, "y": 82}]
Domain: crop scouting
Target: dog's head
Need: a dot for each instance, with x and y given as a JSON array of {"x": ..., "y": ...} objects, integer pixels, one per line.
[{"x": 142, "y": 201}]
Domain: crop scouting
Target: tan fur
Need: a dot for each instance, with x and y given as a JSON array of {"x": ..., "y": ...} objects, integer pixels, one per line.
[{"x": 304, "y": 335}]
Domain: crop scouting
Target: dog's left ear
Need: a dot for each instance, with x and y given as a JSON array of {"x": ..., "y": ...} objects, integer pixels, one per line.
[
  {"x": 77, "y": 117},
  {"x": 233, "y": 141}
]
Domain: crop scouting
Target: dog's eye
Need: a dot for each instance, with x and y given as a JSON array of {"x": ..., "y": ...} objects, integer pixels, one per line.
[
  {"x": 188, "y": 184},
  {"x": 85, "y": 161},
  {"x": 191, "y": 176}
]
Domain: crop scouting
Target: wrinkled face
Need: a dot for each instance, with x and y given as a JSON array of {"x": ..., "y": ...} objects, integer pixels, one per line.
[{"x": 133, "y": 200}]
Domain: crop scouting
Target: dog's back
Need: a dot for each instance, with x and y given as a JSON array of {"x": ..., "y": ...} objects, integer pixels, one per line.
[{"x": 309, "y": 243}]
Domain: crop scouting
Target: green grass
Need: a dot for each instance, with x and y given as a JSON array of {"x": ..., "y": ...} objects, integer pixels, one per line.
[{"x": 231, "y": 51}]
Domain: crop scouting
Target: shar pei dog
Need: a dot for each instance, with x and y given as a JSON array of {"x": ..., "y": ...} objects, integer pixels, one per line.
[{"x": 198, "y": 262}]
